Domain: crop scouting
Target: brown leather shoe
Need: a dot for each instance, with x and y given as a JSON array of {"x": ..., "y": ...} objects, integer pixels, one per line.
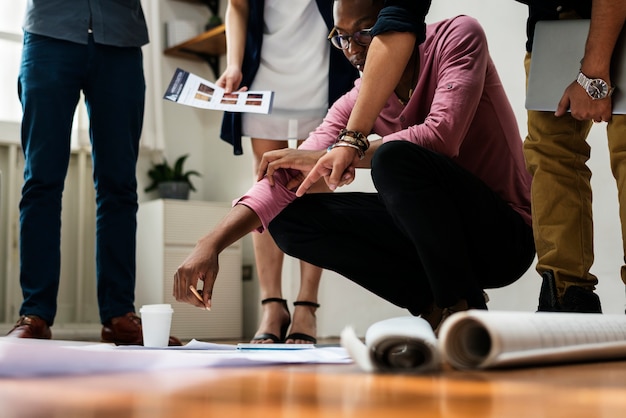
[
  {"x": 31, "y": 326},
  {"x": 126, "y": 330}
]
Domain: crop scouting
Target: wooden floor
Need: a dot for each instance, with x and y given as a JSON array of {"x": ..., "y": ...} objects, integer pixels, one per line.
[{"x": 582, "y": 390}]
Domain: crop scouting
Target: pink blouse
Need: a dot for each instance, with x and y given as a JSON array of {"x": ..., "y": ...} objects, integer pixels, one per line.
[{"x": 458, "y": 109}]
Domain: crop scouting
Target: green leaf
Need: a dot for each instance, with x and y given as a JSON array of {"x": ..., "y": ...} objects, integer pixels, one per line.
[{"x": 162, "y": 172}]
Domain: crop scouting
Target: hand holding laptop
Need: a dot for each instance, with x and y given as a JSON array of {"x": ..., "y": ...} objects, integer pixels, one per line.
[{"x": 558, "y": 47}]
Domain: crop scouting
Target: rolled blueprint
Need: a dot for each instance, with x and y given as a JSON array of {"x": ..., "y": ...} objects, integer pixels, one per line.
[
  {"x": 401, "y": 345},
  {"x": 486, "y": 339}
]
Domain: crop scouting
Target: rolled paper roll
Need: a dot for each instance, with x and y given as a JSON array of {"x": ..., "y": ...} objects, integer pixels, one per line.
[{"x": 403, "y": 344}]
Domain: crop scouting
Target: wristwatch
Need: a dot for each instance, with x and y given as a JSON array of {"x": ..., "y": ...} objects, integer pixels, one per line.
[{"x": 596, "y": 88}]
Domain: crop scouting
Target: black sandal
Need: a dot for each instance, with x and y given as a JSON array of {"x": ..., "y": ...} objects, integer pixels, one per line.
[
  {"x": 283, "y": 328},
  {"x": 299, "y": 335}
]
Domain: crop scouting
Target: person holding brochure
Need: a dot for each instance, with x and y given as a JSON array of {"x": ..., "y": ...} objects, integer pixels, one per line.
[
  {"x": 451, "y": 215},
  {"x": 281, "y": 46}
]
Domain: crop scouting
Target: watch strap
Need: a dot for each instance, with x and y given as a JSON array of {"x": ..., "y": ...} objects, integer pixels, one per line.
[{"x": 585, "y": 81}]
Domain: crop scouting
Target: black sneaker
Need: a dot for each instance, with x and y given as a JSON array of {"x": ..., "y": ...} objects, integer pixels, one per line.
[{"x": 575, "y": 299}]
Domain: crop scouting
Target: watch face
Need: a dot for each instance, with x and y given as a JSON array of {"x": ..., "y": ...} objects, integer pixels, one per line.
[{"x": 598, "y": 89}]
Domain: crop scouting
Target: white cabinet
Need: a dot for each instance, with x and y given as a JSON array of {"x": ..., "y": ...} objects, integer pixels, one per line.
[{"x": 167, "y": 231}]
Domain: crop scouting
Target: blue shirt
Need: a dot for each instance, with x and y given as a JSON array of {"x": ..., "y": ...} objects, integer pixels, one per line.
[{"x": 113, "y": 22}]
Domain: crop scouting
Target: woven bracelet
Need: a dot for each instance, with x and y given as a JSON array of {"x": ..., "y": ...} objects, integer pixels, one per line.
[{"x": 355, "y": 138}]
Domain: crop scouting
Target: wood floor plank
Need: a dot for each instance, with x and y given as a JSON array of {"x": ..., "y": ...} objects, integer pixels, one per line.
[{"x": 579, "y": 390}]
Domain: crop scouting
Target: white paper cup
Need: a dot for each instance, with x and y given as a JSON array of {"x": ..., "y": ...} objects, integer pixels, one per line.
[{"x": 156, "y": 321}]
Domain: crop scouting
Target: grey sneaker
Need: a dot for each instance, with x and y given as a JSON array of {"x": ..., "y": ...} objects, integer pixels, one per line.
[{"x": 575, "y": 299}]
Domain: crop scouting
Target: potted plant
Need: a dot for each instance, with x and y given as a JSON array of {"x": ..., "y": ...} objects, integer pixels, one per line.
[{"x": 171, "y": 182}]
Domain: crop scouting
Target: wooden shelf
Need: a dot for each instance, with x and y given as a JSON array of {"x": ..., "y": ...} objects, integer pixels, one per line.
[
  {"x": 211, "y": 42},
  {"x": 207, "y": 46}
]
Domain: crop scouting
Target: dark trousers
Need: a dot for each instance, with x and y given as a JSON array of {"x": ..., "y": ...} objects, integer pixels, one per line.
[
  {"x": 52, "y": 75},
  {"x": 433, "y": 232}
]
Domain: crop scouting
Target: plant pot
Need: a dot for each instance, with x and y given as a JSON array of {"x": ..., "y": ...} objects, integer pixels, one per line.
[{"x": 174, "y": 190}]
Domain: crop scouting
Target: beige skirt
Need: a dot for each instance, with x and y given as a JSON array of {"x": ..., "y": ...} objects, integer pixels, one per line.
[{"x": 278, "y": 127}]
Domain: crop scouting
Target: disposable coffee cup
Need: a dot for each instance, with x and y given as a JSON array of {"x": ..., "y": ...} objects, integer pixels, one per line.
[{"x": 156, "y": 321}]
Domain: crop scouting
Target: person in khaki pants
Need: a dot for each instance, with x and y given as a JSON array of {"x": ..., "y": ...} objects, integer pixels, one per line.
[{"x": 556, "y": 153}]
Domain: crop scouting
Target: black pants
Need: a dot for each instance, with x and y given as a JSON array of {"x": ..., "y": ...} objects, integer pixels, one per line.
[{"x": 434, "y": 232}]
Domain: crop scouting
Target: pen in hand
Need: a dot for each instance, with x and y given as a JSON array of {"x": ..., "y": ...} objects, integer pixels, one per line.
[{"x": 197, "y": 295}]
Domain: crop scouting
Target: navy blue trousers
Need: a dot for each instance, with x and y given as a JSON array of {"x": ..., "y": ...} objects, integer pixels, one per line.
[
  {"x": 52, "y": 75},
  {"x": 432, "y": 233}
]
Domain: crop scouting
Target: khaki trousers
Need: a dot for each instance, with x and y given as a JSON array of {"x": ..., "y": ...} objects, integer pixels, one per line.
[{"x": 556, "y": 152}]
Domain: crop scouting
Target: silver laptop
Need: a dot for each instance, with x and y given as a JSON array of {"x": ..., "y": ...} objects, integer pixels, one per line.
[{"x": 558, "y": 48}]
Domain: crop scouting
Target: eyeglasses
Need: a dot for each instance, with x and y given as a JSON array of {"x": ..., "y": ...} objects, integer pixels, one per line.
[{"x": 362, "y": 38}]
